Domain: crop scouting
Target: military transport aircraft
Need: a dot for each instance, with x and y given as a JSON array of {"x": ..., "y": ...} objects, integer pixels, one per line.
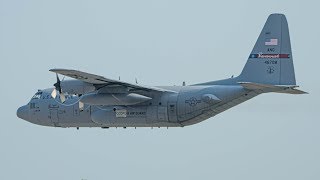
[{"x": 90, "y": 100}]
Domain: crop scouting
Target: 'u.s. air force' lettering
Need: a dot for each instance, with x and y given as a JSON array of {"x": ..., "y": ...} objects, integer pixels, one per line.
[
  {"x": 123, "y": 113},
  {"x": 269, "y": 56}
]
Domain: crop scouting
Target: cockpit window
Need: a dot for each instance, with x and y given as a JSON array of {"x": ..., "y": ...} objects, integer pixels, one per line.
[{"x": 37, "y": 95}]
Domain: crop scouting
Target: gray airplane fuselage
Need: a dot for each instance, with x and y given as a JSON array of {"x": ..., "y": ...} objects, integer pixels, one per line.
[{"x": 185, "y": 105}]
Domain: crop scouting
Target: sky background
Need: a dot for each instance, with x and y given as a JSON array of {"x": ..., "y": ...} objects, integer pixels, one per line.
[{"x": 273, "y": 136}]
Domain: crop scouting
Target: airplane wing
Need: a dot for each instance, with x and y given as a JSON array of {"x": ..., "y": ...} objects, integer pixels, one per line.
[{"x": 102, "y": 81}]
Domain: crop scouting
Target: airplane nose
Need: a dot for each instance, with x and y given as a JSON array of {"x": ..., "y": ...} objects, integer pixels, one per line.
[{"x": 23, "y": 112}]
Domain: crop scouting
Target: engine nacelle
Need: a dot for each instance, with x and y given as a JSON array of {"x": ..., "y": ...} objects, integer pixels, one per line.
[{"x": 76, "y": 87}]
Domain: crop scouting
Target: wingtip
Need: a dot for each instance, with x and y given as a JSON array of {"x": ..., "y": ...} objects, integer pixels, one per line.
[{"x": 55, "y": 70}]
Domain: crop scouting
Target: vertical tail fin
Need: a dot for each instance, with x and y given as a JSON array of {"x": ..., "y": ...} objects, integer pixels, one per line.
[{"x": 270, "y": 61}]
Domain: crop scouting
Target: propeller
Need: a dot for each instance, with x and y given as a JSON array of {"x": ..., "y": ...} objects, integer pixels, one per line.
[{"x": 57, "y": 86}]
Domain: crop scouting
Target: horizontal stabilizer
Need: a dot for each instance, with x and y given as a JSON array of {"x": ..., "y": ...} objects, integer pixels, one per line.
[{"x": 289, "y": 89}]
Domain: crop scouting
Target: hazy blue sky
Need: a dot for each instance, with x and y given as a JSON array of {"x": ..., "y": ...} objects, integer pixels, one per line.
[{"x": 273, "y": 136}]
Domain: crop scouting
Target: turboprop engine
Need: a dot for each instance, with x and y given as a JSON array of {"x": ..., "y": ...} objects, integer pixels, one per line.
[
  {"x": 117, "y": 99},
  {"x": 70, "y": 87}
]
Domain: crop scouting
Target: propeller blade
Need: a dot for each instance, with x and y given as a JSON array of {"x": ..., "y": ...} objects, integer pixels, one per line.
[
  {"x": 62, "y": 98},
  {"x": 81, "y": 106},
  {"x": 57, "y": 85},
  {"x": 54, "y": 93}
]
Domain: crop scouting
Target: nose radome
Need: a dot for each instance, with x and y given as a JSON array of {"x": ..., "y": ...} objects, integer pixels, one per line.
[{"x": 23, "y": 112}]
